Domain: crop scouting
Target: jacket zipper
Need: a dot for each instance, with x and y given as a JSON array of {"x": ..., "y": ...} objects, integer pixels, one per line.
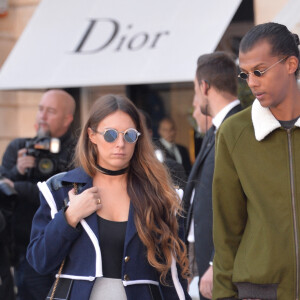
[{"x": 294, "y": 211}]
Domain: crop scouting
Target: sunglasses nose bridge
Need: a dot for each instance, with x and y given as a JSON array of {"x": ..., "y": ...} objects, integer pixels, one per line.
[
  {"x": 120, "y": 138},
  {"x": 252, "y": 79}
]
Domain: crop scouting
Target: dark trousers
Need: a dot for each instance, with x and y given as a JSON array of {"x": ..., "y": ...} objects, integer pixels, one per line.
[
  {"x": 31, "y": 285},
  {"x": 6, "y": 279}
]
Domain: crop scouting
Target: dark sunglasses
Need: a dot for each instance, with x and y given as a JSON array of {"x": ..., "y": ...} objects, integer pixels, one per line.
[
  {"x": 110, "y": 135},
  {"x": 259, "y": 73}
]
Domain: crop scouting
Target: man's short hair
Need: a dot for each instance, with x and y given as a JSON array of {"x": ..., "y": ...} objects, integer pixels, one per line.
[
  {"x": 219, "y": 70},
  {"x": 282, "y": 41}
]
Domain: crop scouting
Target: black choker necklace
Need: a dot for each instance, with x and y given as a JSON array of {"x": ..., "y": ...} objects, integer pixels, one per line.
[{"x": 110, "y": 172}]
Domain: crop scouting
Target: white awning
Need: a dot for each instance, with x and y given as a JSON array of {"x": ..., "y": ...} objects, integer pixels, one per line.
[
  {"x": 76, "y": 43},
  {"x": 289, "y": 16}
]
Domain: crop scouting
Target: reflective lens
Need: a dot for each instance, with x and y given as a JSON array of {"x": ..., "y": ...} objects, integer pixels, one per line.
[
  {"x": 110, "y": 135},
  {"x": 243, "y": 75},
  {"x": 130, "y": 135},
  {"x": 257, "y": 73}
]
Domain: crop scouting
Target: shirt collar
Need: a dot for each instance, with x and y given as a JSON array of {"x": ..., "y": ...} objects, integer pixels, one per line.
[
  {"x": 165, "y": 143},
  {"x": 220, "y": 116}
]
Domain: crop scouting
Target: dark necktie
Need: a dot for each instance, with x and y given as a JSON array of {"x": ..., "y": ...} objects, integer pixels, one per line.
[{"x": 209, "y": 136}]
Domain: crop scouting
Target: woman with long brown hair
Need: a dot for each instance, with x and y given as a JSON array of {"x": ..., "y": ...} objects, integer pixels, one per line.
[{"x": 114, "y": 220}]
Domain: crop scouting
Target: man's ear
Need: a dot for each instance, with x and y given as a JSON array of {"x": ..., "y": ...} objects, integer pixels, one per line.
[
  {"x": 292, "y": 63},
  {"x": 68, "y": 120},
  {"x": 92, "y": 135},
  {"x": 205, "y": 87}
]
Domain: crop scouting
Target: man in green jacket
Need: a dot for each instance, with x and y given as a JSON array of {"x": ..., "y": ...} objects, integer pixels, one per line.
[{"x": 256, "y": 188}]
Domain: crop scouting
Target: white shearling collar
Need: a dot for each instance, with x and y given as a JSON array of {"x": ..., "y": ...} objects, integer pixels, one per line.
[{"x": 263, "y": 121}]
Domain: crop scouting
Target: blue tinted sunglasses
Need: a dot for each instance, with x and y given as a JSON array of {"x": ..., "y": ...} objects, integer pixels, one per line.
[{"x": 130, "y": 135}]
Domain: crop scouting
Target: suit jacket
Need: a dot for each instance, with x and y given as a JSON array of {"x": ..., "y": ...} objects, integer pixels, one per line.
[
  {"x": 186, "y": 162},
  {"x": 200, "y": 179}
]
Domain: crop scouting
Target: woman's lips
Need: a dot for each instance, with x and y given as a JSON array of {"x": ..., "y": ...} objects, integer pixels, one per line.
[{"x": 119, "y": 154}]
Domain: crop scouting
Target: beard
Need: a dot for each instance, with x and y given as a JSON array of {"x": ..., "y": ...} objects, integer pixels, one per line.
[
  {"x": 43, "y": 130},
  {"x": 205, "y": 110}
]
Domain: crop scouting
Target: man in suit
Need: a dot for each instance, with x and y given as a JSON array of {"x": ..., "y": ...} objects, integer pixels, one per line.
[
  {"x": 179, "y": 153},
  {"x": 216, "y": 94},
  {"x": 176, "y": 169},
  {"x": 203, "y": 124}
]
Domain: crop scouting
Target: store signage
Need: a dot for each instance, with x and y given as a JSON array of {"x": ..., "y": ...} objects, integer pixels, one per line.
[{"x": 78, "y": 43}]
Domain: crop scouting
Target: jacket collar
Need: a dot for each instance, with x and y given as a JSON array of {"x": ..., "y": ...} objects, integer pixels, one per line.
[
  {"x": 263, "y": 121},
  {"x": 77, "y": 175},
  {"x": 131, "y": 229}
]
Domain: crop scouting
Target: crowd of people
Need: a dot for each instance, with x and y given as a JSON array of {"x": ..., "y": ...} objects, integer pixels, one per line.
[{"x": 118, "y": 215}]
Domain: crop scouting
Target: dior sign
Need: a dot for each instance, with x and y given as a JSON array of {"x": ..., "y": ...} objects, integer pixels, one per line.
[{"x": 107, "y": 33}]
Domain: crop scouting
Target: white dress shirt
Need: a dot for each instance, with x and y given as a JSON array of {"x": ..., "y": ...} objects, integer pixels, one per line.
[{"x": 173, "y": 149}]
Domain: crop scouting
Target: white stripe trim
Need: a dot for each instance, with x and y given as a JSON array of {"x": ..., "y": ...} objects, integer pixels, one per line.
[
  {"x": 177, "y": 284},
  {"x": 179, "y": 193},
  {"x": 51, "y": 202},
  {"x": 87, "y": 278},
  {"x": 44, "y": 189},
  {"x": 132, "y": 282},
  {"x": 95, "y": 242}
]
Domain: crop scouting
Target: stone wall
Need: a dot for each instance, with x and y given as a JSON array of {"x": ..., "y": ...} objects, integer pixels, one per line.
[
  {"x": 17, "y": 108},
  {"x": 266, "y": 10}
]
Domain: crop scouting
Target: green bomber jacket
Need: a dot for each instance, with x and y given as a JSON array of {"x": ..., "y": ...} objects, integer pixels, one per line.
[{"x": 256, "y": 208}]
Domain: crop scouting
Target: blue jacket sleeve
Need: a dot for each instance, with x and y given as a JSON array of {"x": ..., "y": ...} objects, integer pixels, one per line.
[
  {"x": 51, "y": 239},
  {"x": 169, "y": 292}
]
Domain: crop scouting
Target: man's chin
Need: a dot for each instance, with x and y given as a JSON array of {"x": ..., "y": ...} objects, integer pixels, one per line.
[{"x": 43, "y": 130}]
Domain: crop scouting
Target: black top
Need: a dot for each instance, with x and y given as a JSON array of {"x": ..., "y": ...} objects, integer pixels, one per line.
[
  {"x": 112, "y": 238},
  {"x": 288, "y": 124}
]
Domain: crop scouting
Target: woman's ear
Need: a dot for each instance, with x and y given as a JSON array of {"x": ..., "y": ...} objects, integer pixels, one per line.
[{"x": 92, "y": 135}]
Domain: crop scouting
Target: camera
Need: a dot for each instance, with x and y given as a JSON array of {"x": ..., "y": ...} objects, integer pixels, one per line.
[
  {"x": 7, "y": 196},
  {"x": 45, "y": 150}
]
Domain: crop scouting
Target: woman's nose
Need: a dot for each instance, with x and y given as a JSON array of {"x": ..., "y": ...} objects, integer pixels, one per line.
[{"x": 120, "y": 140}]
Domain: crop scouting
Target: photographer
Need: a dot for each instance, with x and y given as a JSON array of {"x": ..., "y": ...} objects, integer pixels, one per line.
[{"x": 27, "y": 161}]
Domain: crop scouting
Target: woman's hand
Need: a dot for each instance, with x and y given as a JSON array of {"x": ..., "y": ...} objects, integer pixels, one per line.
[{"x": 82, "y": 205}]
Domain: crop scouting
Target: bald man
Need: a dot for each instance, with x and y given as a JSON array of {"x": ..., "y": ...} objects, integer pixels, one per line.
[{"x": 24, "y": 169}]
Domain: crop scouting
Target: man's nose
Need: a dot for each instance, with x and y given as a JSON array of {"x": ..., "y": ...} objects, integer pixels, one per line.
[
  {"x": 253, "y": 81},
  {"x": 43, "y": 115}
]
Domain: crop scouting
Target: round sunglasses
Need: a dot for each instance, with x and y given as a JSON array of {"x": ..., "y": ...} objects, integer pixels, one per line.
[
  {"x": 259, "y": 73},
  {"x": 130, "y": 135}
]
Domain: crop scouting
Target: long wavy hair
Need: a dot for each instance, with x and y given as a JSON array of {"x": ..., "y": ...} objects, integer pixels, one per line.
[{"x": 155, "y": 201}]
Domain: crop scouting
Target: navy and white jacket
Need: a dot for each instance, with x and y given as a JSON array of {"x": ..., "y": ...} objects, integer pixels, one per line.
[{"x": 53, "y": 240}]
